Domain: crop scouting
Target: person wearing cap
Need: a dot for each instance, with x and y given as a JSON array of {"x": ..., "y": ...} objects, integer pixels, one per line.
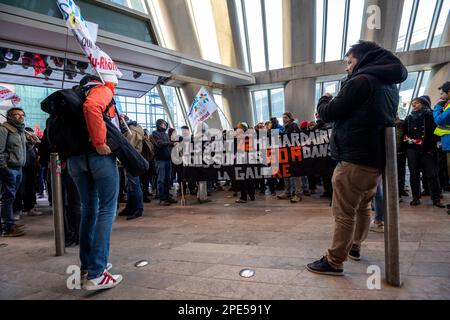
[
  {"x": 441, "y": 116},
  {"x": 421, "y": 150},
  {"x": 97, "y": 179}
]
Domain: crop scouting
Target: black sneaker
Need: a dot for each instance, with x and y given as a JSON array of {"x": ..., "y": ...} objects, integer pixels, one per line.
[
  {"x": 404, "y": 194},
  {"x": 354, "y": 255},
  {"x": 124, "y": 213},
  {"x": 137, "y": 214},
  {"x": 323, "y": 267},
  {"x": 14, "y": 231},
  {"x": 172, "y": 200},
  {"x": 415, "y": 202},
  {"x": 439, "y": 204},
  {"x": 147, "y": 200}
]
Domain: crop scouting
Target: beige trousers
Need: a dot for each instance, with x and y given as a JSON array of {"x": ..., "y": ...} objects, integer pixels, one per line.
[{"x": 354, "y": 187}]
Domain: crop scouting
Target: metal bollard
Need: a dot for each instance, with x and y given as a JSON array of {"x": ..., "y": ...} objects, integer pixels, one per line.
[
  {"x": 57, "y": 199},
  {"x": 202, "y": 191},
  {"x": 391, "y": 210}
]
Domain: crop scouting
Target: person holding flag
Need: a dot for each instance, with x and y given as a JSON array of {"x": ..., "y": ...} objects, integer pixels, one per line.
[{"x": 95, "y": 173}]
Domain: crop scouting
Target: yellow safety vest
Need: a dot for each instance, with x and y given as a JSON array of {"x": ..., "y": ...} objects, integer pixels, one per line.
[{"x": 444, "y": 129}]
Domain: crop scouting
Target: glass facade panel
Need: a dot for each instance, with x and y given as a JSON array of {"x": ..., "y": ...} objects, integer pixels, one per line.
[
  {"x": 335, "y": 28},
  {"x": 274, "y": 21},
  {"x": 406, "y": 17},
  {"x": 406, "y": 94},
  {"x": 277, "y": 100},
  {"x": 422, "y": 25},
  {"x": 261, "y": 103},
  {"x": 255, "y": 35},
  {"x": 319, "y": 29},
  {"x": 441, "y": 24},
  {"x": 354, "y": 23},
  {"x": 107, "y": 19}
]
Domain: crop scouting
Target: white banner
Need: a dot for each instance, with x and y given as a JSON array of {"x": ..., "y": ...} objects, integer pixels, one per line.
[
  {"x": 202, "y": 108},
  {"x": 6, "y": 94},
  {"x": 75, "y": 21}
]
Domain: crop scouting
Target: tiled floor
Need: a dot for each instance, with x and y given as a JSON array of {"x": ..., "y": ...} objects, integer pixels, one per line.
[{"x": 197, "y": 251}]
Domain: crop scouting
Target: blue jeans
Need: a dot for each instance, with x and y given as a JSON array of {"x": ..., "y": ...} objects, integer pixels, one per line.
[
  {"x": 10, "y": 182},
  {"x": 98, "y": 187},
  {"x": 135, "y": 199},
  {"x": 378, "y": 203},
  {"x": 164, "y": 171}
]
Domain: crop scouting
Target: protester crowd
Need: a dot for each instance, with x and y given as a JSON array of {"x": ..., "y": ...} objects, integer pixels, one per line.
[{"x": 95, "y": 183}]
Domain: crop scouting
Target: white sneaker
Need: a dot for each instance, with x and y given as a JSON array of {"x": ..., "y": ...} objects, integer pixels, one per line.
[
  {"x": 105, "y": 281},
  {"x": 33, "y": 212},
  {"x": 85, "y": 273},
  {"x": 17, "y": 217},
  {"x": 376, "y": 227}
]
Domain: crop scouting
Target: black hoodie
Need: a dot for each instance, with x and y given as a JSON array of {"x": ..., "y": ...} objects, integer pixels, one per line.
[
  {"x": 366, "y": 104},
  {"x": 162, "y": 142}
]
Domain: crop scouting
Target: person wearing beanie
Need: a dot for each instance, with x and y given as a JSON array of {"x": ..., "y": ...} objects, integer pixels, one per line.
[
  {"x": 97, "y": 179},
  {"x": 163, "y": 162},
  {"x": 421, "y": 150},
  {"x": 304, "y": 125},
  {"x": 425, "y": 100}
]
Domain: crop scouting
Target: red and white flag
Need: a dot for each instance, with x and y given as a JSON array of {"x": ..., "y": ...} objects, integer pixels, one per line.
[
  {"x": 6, "y": 94},
  {"x": 97, "y": 57}
]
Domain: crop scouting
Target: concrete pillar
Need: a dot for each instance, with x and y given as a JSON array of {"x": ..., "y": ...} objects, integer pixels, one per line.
[
  {"x": 180, "y": 30},
  {"x": 228, "y": 35},
  {"x": 391, "y": 14},
  {"x": 299, "y": 38},
  {"x": 299, "y": 96},
  {"x": 238, "y": 102},
  {"x": 440, "y": 73},
  {"x": 299, "y": 31},
  {"x": 190, "y": 91}
]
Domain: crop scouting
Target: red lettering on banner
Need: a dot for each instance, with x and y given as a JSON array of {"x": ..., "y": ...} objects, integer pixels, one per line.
[
  {"x": 296, "y": 154},
  {"x": 284, "y": 155},
  {"x": 102, "y": 63},
  {"x": 285, "y": 170},
  {"x": 248, "y": 145}
]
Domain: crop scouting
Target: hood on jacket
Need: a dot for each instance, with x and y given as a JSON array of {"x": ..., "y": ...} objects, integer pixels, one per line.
[
  {"x": 159, "y": 123},
  {"x": 382, "y": 64}
]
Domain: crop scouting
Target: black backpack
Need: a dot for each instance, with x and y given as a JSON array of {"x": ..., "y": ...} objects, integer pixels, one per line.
[{"x": 66, "y": 127}]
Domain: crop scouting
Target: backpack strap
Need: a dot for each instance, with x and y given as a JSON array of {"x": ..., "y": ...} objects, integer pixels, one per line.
[{"x": 9, "y": 127}]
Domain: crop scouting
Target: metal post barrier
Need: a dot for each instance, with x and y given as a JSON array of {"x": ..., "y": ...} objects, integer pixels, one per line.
[
  {"x": 391, "y": 210},
  {"x": 57, "y": 200},
  {"x": 202, "y": 191}
]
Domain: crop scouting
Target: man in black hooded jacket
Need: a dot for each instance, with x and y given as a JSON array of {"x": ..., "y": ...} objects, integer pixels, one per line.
[
  {"x": 365, "y": 105},
  {"x": 163, "y": 162}
]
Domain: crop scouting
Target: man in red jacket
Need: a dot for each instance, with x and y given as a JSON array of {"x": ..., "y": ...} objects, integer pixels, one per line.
[{"x": 97, "y": 178}]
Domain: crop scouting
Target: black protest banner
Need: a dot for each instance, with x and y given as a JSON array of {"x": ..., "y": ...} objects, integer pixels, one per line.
[{"x": 259, "y": 155}]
